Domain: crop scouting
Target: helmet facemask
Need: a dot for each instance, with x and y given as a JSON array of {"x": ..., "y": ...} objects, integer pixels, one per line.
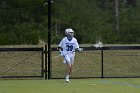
[{"x": 69, "y": 33}]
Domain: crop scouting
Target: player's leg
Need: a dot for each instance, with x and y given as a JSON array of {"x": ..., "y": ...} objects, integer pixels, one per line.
[
  {"x": 71, "y": 64},
  {"x": 68, "y": 69}
]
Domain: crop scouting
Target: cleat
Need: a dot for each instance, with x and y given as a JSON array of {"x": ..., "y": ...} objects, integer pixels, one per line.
[{"x": 67, "y": 81}]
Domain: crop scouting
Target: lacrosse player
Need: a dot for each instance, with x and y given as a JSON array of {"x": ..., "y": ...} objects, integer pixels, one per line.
[{"x": 67, "y": 48}]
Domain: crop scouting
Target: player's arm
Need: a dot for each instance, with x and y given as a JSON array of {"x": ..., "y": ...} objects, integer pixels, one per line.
[
  {"x": 59, "y": 48},
  {"x": 60, "y": 45},
  {"x": 77, "y": 46}
]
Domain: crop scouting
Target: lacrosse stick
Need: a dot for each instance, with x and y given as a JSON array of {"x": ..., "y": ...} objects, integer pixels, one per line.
[{"x": 98, "y": 45}]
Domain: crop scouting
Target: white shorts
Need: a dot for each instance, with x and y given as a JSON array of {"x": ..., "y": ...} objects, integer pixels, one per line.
[{"x": 69, "y": 59}]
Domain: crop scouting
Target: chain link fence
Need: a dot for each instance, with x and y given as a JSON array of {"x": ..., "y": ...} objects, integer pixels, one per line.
[{"x": 21, "y": 62}]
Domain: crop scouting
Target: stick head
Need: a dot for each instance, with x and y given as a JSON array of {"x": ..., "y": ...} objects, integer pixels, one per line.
[{"x": 98, "y": 45}]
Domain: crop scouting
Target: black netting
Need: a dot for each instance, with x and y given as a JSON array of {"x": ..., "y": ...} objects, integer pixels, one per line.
[
  {"x": 121, "y": 63},
  {"x": 21, "y": 64},
  {"x": 87, "y": 64},
  {"x": 106, "y": 62}
]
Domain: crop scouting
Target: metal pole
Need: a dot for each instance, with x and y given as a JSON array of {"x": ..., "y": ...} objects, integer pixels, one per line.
[
  {"x": 49, "y": 38},
  {"x": 46, "y": 62},
  {"x": 102, "y": 63},
  {"x": 42, "y": 63}
]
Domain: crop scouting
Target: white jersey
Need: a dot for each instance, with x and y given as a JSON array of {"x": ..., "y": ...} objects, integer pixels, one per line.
[{"x": 68, "y": 46}]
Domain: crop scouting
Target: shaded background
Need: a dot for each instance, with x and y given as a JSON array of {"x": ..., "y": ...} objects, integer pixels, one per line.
[{"x": 109, "y": 21}]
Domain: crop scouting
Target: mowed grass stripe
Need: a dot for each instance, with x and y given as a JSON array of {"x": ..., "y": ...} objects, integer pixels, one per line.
[{"x": 75, "y": 86}]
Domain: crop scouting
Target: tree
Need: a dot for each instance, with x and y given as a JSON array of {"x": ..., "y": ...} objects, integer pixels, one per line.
[
  {"x": 116, "y": 15},
  {"x": 131, "y": 2}
]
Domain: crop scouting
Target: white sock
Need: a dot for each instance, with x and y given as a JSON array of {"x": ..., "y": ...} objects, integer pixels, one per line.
[{"x": 67, "y": 76}]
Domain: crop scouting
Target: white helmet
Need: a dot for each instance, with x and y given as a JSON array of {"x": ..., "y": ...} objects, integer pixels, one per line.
[
  {"x": 69, "y": 33},
  {"x": 68, "y": 30}
]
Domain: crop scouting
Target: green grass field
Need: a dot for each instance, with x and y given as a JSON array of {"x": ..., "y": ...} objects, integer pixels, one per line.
[{"x": 125, "y": 85}]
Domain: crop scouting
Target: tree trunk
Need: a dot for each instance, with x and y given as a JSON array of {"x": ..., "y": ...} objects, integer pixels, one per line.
[
  {"x": 116, "y": 15},
  {"x": 103, "y": 4},
  {"x": 131, "y": 2}
]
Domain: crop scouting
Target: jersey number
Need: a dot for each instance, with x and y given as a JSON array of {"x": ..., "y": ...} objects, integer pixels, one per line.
[{"x": 69, "y": 47}]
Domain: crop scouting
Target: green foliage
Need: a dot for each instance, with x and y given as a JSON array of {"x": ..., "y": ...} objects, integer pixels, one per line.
[
  {"x": 25, "y": 21},
  {"x": 22, "y": 21},
  {"x": 91, "y": 22}
]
